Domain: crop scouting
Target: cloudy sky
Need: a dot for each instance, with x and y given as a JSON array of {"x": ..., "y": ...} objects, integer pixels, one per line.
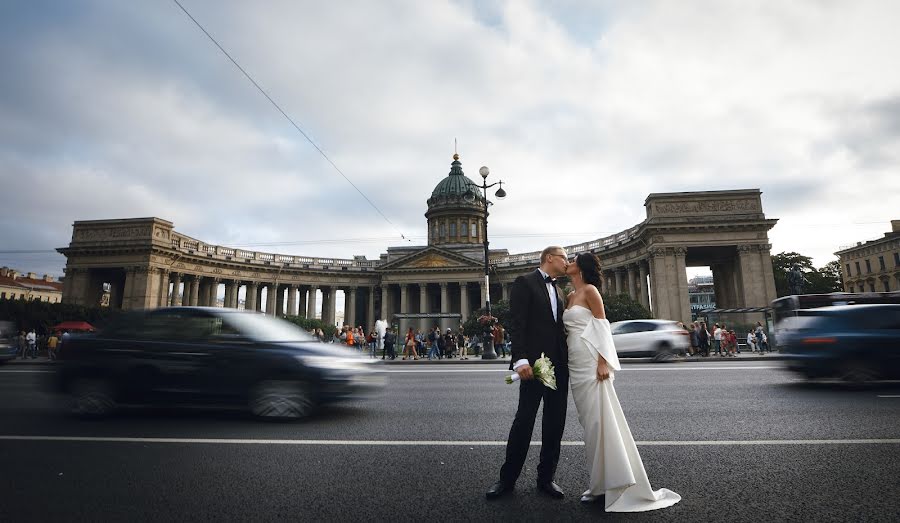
[{"x": 115, "y": 109}]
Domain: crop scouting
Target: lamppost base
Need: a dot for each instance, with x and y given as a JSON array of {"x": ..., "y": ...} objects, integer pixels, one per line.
[{"x": 488, "y": 352}]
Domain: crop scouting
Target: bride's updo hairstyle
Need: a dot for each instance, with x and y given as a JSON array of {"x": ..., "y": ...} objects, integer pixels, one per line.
[{"x": 589, "y": 264}]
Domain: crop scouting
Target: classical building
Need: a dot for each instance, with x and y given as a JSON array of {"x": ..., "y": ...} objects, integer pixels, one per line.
[
  {"x": 146, "y": 263},
  {"x": 17, "y": 286},
  {"x": 873, "y": 266}
]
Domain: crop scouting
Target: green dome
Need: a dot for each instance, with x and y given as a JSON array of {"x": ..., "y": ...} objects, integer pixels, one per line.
[{"x": 456, "y": 183}]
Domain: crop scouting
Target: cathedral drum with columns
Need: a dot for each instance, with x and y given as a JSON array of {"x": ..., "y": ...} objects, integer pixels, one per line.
[{"x": 144, "y": 263}]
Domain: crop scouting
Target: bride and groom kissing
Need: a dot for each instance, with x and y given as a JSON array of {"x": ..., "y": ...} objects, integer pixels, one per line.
[{"x": 575, "y": 335}]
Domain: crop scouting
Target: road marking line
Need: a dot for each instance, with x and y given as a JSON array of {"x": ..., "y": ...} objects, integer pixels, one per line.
[
  {"x": 25, "y": 371},
  {"x": 444, "y": 371},
  {"x": 401, "y": 443},
  {"x": 889, "y": 396}
]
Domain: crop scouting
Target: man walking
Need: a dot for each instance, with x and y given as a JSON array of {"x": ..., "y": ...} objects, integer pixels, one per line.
[{"x": 536, "y": 327}]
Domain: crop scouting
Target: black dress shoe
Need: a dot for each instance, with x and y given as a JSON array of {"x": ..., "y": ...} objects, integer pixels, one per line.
[
  {"x": 551, "y": 489},
  {"x": 498, "y": 489}
]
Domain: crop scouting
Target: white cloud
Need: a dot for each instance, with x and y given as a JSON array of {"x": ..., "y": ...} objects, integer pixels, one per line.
[{"x": 582, "y": 109}]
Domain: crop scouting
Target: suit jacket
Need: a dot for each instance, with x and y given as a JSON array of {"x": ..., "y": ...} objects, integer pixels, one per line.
[{"x": 533, "y": 329}]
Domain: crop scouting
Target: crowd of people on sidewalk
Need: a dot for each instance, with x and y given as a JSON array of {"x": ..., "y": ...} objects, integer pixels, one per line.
[
  {"x": 722, "y": 342},
  {"x": 30, "y": 344},
  {"x": 432, "y": 344}
]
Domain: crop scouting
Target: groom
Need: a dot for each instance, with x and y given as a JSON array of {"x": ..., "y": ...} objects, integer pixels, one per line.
[{"x": 536, "y": 327}]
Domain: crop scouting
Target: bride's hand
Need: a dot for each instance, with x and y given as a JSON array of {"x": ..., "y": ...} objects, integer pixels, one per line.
[{"x": 602, "y": 370}]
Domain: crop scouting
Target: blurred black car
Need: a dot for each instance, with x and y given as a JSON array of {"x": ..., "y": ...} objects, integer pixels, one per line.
[
  {"x": 9, "y": 341},
  {"x": 857, "y": 343},
  {"x": 209, "y": 356}
]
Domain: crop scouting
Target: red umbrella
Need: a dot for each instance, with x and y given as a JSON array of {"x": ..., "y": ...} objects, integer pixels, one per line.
[{"x": 74, "y": 326}]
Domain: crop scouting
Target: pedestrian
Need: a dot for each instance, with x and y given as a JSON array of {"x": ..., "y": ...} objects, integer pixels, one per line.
[
  {"x": 52, "y": 342},
  {"x": 371, "y": 339},
  {"x": 461, "y": 345},
  {"x": 22, "y": 344},
  {"x": 497, "y": 333},
  {"x": 732, "y": 343},
  {"x": 760, "y": 332},
  {"x": 409, "y": 345},
  {"x": 388, "y": 343},
  {"x": 31, "y": 341},
  {"x": 717, "y": 339},
  {"x": 703, "y": 336},
  {"x": 433, "y": 336},
  {"x": 449, "y": 344},
  {"x": 695, "y": 339}
]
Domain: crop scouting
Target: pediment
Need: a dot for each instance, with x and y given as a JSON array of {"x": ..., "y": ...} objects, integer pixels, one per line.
[{"x": 431, "y": 258}]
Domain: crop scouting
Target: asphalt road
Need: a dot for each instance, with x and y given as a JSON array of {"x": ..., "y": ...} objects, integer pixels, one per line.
[{"x": 739, "y": 441}]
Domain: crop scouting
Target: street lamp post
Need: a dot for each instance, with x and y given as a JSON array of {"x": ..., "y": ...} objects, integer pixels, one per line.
[{"x": 488, "y": 352}]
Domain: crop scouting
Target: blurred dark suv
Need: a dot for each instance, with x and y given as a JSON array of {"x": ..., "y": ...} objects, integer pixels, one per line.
[
  {"x": 209, "y": 356},
  {"x": 857, "y": 343}
]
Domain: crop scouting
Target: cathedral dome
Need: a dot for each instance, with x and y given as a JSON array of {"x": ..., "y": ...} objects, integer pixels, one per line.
[{"x": 455, "y": 184}]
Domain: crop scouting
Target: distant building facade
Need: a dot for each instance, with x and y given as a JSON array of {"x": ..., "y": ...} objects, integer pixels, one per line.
[
  {"x": 702, "y": 294},
  {"x": 18, "y": 286},
  {"x": 873, "y": 266}
]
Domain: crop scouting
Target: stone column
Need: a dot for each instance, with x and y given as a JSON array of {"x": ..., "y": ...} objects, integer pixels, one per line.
[
  {"x": 404, "y": 305},
  {"x": 292, "y": 300},
  {"x": 632, "y": 276},
  {"x": 250, "y": 298},
  {"x": 504, "y": 291},
  {"x": 229, "y": 292},
  {"x": 176, "y": 289},
  {"x": 445, "y": 306},
  {"x": 311, "y": 305},
  {"x": 212, "y": 292},
  {"x": 271, "y": 298},
  {"x": 302, "y": 300},
  {"x": 645, "y": 295},
  {"x": 350, "y": 311},
  {"x": 768, "y": 276},
  {"x": 659, "y": 283},
  {"x": 464, "y": 300},
  {"x": 620, "y": 288},
  {"x": 370, "y": 308},
  {"x": 484, "y": 294},
  {"x": 423, "y": 305},
  {"x": 195, "y": 290},
  {"x": 328, "y": 305},
  {"x": 682, "y": 304},
  {"x": 384, "y": 302},
  {"x": 163, "y": 288}
]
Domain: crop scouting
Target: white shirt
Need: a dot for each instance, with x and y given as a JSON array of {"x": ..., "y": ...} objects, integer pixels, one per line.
[{"x": 554, "y": 305}]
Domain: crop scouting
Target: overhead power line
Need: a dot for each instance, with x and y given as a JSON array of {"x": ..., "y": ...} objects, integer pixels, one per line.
[{"x": 289, "y": 119}]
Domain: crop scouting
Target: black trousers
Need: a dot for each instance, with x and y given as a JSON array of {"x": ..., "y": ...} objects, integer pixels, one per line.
[{"x": 531, "y": 393}]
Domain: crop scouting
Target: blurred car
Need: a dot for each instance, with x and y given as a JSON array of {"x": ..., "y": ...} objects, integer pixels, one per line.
[
  {"x": 9, "y": 343},
  {"x": 661, "y": 339},
  {"x": 209, "y": 356},
  {"x": 856, "y": 343}
]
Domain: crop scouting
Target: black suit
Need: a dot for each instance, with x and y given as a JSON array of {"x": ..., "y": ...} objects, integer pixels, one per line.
[{"x": 533, "y": 330}]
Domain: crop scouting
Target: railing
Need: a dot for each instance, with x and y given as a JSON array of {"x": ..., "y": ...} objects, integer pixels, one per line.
[
  {"x": 612, "y": 240},
  {"x": 185, "y": 243}
]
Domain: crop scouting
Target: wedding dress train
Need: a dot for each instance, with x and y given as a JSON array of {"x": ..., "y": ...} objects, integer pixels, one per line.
[{"x": 616, "y": 469}]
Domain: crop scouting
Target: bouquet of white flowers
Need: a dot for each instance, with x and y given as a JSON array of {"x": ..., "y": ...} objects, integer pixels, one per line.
[{"x": 543, "y": 371}]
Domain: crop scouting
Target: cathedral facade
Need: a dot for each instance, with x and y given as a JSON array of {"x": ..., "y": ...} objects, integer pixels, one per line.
[{"x": 144, "y": 263}]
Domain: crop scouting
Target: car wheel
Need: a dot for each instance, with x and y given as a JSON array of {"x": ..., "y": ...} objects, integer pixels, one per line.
[
  {"x": 859, "y": 373},
  {"x": 281, "y": 400},
  {"x": 663, "y": 352},
  {"x": 92, "y": 397}
]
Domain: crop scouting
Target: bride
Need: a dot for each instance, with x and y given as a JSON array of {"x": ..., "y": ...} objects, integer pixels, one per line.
[{"x": 615, "y": 465}]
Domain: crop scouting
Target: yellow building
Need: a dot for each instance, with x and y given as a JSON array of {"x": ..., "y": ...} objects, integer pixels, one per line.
[
  {"x": 873, "y": 266},
  {"x": 15, "y": 286}
]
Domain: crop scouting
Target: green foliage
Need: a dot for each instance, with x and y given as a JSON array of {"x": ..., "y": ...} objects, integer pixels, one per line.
[
  {"x": 623, "y": 307},
  {"x": 819, "y": 281},
  {"x": 499, "y": 310},
  {"x": 310, "y": 323},
  {"x": 42, "y": 315}
]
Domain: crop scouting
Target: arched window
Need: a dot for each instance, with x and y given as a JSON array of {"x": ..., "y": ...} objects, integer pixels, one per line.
[
  {"x": 464, "y": 229},
  {"x": 443, "y": 230},
  {"x": 453, "y": 230}
]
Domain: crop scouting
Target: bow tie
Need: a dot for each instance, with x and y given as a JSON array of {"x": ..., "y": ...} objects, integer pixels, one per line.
[{"x": 548, "y": 279}]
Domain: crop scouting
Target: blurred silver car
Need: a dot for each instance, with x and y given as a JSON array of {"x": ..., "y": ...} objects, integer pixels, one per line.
[{"x": 661, "y": 339}]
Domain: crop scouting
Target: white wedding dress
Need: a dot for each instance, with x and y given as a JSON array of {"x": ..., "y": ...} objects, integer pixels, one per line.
[{"x": 615, "y": 465}]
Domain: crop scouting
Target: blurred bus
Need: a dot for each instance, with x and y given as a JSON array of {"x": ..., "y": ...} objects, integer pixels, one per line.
[{"x": 786, "y": 307}]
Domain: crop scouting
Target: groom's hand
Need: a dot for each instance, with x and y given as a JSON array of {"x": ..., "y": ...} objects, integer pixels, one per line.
[{"x": 525, "y": 372}]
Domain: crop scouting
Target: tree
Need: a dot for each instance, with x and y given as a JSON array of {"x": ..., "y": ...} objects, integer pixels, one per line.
[
  {"x": 623, "y": 307},
  {"x": 499, "y": 310},
  {"x": 819, "y": 281}
]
